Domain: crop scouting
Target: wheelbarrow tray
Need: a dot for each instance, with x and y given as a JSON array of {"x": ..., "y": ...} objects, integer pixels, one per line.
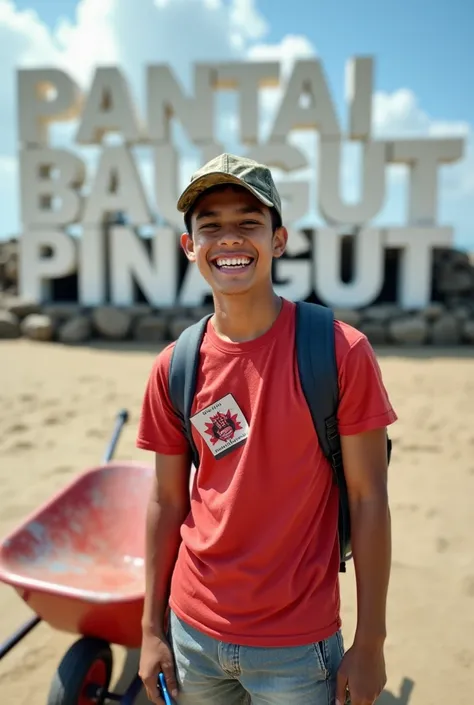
[{"x": 78, "y": 561}]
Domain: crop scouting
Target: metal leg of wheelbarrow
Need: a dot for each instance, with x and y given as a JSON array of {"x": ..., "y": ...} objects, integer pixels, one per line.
[
  {"x": 20, "y": 634},
  {"x": 121, "y": 420}
]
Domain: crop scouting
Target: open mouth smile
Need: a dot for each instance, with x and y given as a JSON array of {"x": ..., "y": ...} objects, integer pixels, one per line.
[{"x": 232, "y": 264}]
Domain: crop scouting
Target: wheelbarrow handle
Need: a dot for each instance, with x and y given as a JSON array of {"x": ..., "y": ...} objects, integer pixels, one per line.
[{"x": 121, "y": 420}]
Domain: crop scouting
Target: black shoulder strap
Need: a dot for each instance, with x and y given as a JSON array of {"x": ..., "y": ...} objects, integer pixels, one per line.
[
  {"x": 182, "y": 377},
  {"x": 316, "y": 355},
  {"x": 317, "y": 366}
]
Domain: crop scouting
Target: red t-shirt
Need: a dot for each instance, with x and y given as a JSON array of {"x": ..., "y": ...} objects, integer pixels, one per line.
[{"x": 259, "y": 559}]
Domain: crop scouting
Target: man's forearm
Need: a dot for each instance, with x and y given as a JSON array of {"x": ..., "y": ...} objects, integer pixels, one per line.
[
  {"x": 371, "y": 548},
  {"x": 163, "y": 524}
]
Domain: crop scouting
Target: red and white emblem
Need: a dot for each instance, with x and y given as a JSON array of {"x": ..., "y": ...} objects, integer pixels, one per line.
[{"x": 222, "y": 425}]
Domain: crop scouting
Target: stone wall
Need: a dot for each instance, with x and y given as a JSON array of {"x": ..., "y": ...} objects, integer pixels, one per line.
[{"x": 447, "y": 321}]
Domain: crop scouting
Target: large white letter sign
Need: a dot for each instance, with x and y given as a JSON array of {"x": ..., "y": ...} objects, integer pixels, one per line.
[
  {"x": 417, "y": 245},
  {"x": 307, "y": 82},
  {"x": 166, "y": 188},
  {"x": 166, "y": 100},
  {"x": 49, "y": 179},
  {"x": 373, "y": 179},
  {"x": 367, "y": 281},
  {"x": 294, "y": 194},
  {"x": 117, "y": 187},
  {"x": 359, "y": 82},
  {"x": 44, "y": 96},
  {"x": 423, "y": 157},
  {"x": 248, "y": 78},
  {"x": 45, "y": 255},
  {"x": 131, "y": 263},
  {"x": 55, "y": 191},
  {"x": 194, "y": 288},
  {"x": 109, "y": 108},
  {"x": 92, "y": 266},
  {"x": 280, "y": 155},
  {"x": 294, "y": 278}
]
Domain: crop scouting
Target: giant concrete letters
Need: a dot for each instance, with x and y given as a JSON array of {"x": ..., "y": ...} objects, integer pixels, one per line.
[
  {"x": 373, "y": 184},
  {"x": 367, "y": 279},
  {"x": 44, "y": 255},
  {"x": 49, "y": 183},
  {"x": 248, "y": 79},
  {"x": 109, "y": 108},
  {"x": 423, "y": 157},
  {"x": 44, "y": 96},
  {"x": 57, "y": 190},
  {"x": 116, "y": 188},
  {"x": 166, "y": 100},
  {"x": 129, "y": 262}
]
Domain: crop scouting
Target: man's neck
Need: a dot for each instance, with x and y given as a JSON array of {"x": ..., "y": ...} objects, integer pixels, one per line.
[{"x": 242, "y": 318}]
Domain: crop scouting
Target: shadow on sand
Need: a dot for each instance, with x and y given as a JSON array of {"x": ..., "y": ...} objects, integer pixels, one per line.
[
  {"x": 403, "y": 697},
  {"x": 130, "y": 668}
]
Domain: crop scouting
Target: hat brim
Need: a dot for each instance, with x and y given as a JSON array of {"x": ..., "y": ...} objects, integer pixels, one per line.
[{"x": 207, "y": 181}]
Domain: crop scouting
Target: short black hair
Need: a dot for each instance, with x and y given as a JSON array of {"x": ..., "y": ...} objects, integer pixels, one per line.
[{"x": 275, "y": 216}]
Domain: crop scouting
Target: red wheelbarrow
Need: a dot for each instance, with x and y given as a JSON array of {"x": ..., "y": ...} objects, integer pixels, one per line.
[{"x": 77, "y": 562}]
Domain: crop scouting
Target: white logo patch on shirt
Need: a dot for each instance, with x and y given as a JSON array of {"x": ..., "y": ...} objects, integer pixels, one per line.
[{"x": 222, "y": 425}]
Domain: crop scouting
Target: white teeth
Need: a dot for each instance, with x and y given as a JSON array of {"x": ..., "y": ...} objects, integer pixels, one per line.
[{"x": 232, "y": 261}]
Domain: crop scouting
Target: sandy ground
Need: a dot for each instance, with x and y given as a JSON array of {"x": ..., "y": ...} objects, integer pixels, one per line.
[{"x": 56, "y": 412}]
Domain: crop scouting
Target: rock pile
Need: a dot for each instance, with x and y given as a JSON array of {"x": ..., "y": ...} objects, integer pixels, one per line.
[
  {"x": 385, "y": 324},
  {"x": 9, "y": 266}
]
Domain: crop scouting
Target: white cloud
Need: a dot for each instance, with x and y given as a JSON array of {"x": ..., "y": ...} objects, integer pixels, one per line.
[
  {"x": 291, "y": 48},
  {"x": 399, "y": 114},
  {"x": 152, "y": 31},
  {"x": 181, "y": 33}
]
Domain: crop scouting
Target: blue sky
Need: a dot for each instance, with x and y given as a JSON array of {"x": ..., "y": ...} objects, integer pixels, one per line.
[{"x": 422, "y": 47}]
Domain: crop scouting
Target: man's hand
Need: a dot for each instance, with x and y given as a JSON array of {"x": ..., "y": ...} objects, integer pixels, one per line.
[
  {"x": 167, "y": 509},
  {"x": 156, "y": 656},
  {"x": 362, "y": 674}
]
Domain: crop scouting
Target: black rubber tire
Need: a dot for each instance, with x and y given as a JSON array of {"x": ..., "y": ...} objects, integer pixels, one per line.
[{"x": 68, "y": 682}]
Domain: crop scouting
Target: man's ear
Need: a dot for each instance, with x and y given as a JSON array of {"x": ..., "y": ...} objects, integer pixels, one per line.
[
  {"x": 280, "y": 238},
  {"x": 187, "y": 245}
]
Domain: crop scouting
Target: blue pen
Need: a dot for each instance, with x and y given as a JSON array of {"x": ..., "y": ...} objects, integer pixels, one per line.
[{"x": 164, "y": 689}]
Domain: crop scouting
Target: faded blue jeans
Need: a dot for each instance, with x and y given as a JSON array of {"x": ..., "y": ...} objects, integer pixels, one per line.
[{"x": 211, "y": 672}]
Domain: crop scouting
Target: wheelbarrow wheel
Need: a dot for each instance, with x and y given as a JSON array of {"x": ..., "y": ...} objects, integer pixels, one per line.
[{"x": 84, "y": 674}]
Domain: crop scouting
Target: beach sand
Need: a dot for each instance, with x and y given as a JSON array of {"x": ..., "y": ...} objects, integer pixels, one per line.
[{"x": 57, "y": 411}]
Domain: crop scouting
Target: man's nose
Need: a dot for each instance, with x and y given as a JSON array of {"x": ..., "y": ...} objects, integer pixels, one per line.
[{"x": 230, "y": 236}]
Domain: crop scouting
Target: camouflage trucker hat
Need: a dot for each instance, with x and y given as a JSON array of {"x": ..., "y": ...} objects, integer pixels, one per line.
[{"x": 230, "y": 169}]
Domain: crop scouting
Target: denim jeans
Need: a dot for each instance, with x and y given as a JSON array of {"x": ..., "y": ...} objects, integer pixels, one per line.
[{"x": 211, "y": 672}]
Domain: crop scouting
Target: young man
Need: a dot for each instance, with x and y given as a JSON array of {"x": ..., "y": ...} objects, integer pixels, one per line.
[{"x": 248, "y": 560}]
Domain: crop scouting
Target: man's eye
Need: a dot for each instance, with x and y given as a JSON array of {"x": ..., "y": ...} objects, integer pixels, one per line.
[{"x": 250, "y": 223}]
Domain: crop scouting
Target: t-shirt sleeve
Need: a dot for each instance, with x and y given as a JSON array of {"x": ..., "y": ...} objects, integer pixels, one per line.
[
  {"x": 364, "y": 404},
  {"x": 159, "y": 428}
]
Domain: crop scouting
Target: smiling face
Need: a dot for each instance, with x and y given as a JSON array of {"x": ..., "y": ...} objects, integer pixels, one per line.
[{"x": 234, "y": 240}]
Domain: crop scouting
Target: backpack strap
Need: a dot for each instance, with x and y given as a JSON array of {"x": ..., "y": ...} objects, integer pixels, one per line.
[
  {"x": 182, "y": 377},
  {"x": 317, "y": 366}
]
